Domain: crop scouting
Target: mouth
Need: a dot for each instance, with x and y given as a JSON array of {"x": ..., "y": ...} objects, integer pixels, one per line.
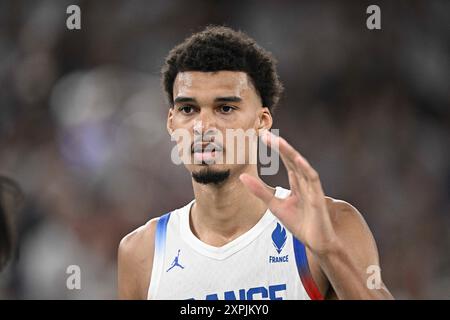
[
  {"x": 205, "y": 152},
  {"x": 205, "y": 147}
]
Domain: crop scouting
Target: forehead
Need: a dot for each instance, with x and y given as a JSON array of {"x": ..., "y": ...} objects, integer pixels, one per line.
[{"x": 197, "y": 83}]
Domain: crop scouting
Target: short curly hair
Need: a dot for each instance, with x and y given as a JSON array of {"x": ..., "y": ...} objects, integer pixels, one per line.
[{"x": 219, "y": 48}]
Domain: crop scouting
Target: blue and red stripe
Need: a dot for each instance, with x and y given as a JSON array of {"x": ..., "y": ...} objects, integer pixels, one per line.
[{"x": 303, "y": 269}]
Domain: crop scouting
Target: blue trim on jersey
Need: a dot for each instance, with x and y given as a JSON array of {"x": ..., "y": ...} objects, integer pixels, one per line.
[
  {"x": 303, "y": 269},
  {"x": 161, "y": 230},
  {"x": 300, "y": 256}
]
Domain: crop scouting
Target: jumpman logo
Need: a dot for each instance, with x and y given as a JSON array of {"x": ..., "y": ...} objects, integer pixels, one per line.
[{"x": 175, "y": 262}]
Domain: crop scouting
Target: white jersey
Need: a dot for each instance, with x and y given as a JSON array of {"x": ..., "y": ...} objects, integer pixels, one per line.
[{"x": 266, "y": 262}]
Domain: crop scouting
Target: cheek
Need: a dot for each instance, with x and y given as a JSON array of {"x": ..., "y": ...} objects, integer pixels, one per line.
[
  {"x": 244, "y": 120},
  {"x": 183, "y": 142},
  {"x": 180, "y": 121},
  {"x": 183, "y": 125},
  {"x": 250, "y": 121}
]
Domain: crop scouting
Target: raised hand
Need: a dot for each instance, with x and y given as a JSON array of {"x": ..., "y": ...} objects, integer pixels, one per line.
[{"x": 304, "y": 212}]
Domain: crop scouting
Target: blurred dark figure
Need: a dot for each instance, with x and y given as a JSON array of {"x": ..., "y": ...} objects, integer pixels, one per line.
[{"x": 11, "y": 199}]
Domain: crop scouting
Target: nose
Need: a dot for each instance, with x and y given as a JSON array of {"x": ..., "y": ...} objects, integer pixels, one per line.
[{"x": 205, "y": 123}]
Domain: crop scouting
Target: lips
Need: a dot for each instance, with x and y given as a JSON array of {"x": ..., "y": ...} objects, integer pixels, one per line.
[
  {"x": 205, "y": 148},
  {"x": 205, "y": 152}
]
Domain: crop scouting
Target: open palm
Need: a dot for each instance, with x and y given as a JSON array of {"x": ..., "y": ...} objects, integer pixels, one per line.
[{"x": 304, "y": 212}]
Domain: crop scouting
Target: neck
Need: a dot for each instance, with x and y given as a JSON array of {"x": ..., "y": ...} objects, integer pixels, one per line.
[{"x": 223, "y": 212}]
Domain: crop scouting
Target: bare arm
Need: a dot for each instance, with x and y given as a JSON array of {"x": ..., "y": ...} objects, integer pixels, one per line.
[
  {"x": 335, "y": 234},
  {"x": 347, "y": 265},
  {"x": 135, "y": 260}
]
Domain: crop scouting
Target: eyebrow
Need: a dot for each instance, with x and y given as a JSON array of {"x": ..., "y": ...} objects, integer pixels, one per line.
[
  {"x": 228, "y": 99},
  {"x": 182, "y": 99}
]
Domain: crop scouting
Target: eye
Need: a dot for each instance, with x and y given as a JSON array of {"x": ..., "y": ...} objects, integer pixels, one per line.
[
  {"x": 186, "y": 109},
  {"x": 226, "y": 109}
]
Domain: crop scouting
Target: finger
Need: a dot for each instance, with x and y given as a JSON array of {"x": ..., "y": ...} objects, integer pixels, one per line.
[
  {"x": 296, "y": 160},
  {"x": 304, "y": 189},
  {"x": 294, "y": 183},
  {"x": 257, "y": 187},
  {"x": 285, "y": 149},
  {"x": 289, "y": 157},
  {"x": 274, "y": 142},
  {"x": 312, "y": 177}
]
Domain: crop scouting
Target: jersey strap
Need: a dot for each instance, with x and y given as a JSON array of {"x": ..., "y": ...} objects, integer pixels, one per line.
[
  {"x": 303, "y": 269},
  {"x": 160, "y": 234},
  {"x": 158, "y": 257}
]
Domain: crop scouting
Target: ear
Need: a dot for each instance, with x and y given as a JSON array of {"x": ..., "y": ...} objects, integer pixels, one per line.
[
  {"x": 265, "y": 119},
  {"x": 170, "y": 121}
]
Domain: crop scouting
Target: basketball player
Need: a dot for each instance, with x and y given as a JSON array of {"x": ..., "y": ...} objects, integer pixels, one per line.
[{"x": 240, "y": 238}]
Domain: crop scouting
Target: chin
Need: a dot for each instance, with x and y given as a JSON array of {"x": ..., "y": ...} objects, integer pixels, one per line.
[{"x": 212, "y": 167}]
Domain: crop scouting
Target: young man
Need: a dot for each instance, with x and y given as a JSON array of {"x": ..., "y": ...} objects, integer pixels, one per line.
[{"x": 240, "y": 238}]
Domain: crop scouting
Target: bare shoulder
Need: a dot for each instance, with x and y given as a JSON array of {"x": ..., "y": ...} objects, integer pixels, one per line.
[
  {"x": 139, "y": 240},
  {"x": 347, "y": 220},
  {"x": 353, "y": 232},
  {"x": 352, "y": 229},
  {"x": 135, "y": 260},
  {"x": 341, "y": 210}
]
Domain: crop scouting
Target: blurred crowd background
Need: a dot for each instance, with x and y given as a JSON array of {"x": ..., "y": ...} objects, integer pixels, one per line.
[{"x": 82, "y": 127}]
